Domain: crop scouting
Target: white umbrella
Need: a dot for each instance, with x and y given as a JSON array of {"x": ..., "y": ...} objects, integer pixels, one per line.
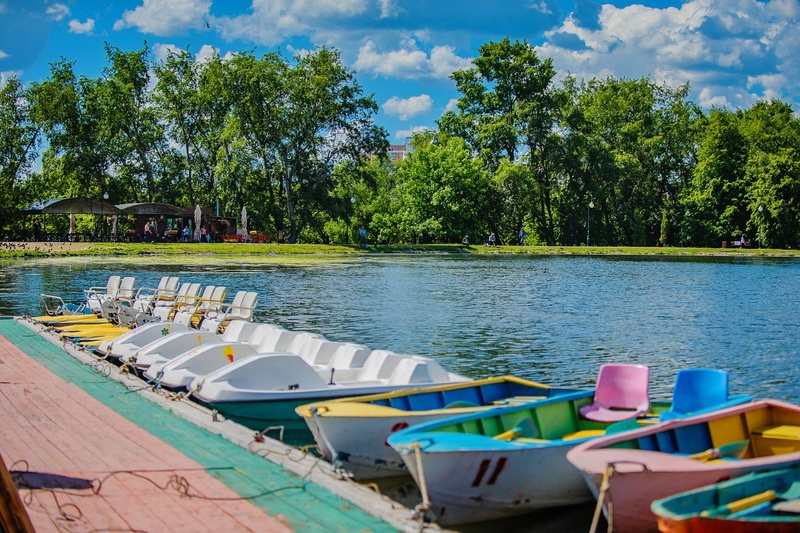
[
  {"x": 244, "y": 223},
  {"x": 114, "y": 227},
  {"x": 198, "y": 215}
]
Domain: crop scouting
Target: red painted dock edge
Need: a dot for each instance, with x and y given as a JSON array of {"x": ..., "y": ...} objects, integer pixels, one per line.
[{"x": 80, "y": 466}]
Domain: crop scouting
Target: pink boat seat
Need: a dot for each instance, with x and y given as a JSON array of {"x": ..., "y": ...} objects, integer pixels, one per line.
[{"x": 621, "y": 393}]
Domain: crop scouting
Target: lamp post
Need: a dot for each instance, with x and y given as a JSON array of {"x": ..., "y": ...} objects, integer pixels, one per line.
[
  {"x": 588, "y": 212},
  {"x": 760, "y": 223}
]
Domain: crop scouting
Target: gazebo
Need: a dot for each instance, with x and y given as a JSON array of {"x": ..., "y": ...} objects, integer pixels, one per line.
[
  {"x": 73, "y": 206},
  {"x": 163, "y": 215}
]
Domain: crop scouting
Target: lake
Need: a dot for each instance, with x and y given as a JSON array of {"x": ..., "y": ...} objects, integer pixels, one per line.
[{"x": 553, "y": 319}]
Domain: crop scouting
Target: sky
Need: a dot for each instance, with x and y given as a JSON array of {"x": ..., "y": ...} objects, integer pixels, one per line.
[{"x": 732, "y": 53}]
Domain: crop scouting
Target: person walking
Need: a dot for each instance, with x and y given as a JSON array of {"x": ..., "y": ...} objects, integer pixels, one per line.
[
  {"x": 37, "y": 230},
  {"x": 362, "y": 237},
  {"x": 522, "y": 236}
]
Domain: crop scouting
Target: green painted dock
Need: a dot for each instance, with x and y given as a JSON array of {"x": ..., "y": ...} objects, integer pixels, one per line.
[{"x": 303, "y": 497}]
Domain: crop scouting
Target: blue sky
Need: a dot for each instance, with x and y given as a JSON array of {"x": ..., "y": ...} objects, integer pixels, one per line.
[{"x": 731, "y": 52}]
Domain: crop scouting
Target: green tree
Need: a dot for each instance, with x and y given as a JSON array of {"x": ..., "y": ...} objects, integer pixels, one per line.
[
  {"x": 773, "y": 173},
  {"x": 131, "y": 122},
  {"x": 715, "y": 203},
  {"x": 446, "y": 194},
  {"x": 191, "y": 99},
  {"x": 302, "y": 121},
  {"x": 508, "y": 108},
  {"x": 19, "y": 137},
  {"x": 638, "y": 137},
  {"x": 70, "y": 112}
]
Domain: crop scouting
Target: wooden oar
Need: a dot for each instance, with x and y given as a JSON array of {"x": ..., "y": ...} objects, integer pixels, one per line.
[
  {"x": 740, "y": 505},
  {"x": 732, "y": 450}
]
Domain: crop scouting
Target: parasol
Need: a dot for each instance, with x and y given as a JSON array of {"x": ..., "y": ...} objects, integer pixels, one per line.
[{"x": 198, "y": 214}]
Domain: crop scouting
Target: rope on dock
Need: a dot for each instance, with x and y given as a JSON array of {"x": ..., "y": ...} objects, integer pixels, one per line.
[{"x": 175, "y": 483}]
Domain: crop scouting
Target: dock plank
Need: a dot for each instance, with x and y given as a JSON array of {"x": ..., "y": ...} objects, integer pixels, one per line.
[
  {"x": 58, "y": 441},
  {"x": 136, "y": 434}
]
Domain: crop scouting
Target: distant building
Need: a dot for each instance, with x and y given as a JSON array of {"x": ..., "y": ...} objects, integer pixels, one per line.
[{"x": 397, "y": 152}]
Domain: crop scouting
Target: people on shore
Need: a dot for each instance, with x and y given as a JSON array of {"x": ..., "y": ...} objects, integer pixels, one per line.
[
  {"x": 492, "y": 240},
  {"x": 362, "y": 237}
]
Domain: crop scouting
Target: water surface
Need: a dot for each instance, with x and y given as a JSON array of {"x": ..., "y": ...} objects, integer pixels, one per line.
[{"x": 554, "y": 319}]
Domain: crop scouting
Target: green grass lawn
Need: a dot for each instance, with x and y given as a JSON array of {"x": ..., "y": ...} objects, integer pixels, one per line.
[{"x": 283, "y": 252}]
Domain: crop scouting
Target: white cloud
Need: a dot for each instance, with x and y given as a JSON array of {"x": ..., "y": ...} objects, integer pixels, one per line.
[
  {"x": 718, "y": 46},
  {"x": 444, "y": 62},
  {"x": 206, "y": 53},
  {"x": 406, "y": 108},
  {"x": 770, "y": 84},
  {"x": 166, "y": 17},
  {"x": 57, "y": 11},
  {"x": 7, "y": 75},
  {"x": 405, "y": 134},
  {"x": 541, "y": 7},
  {"x": 273, "y": 21},
  {"x": 389, "y": 8},
  {"x": 3, "y": 54},
  {"x": 76, "y": 26},
  {"x": 708, "y": 98},
  {"x": 452, "y": 105},
  {"x": 161, "y": 51},
  {"x": 410, "y": 61}
]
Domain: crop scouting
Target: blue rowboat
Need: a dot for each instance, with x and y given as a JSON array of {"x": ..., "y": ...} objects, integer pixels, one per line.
[{"x": 766, "y": 502}]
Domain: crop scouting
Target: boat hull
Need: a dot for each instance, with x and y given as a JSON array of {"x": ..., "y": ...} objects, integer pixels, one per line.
[
  {"x": 359, "y": 446},
  {"x": 639, "y": 476},
  {"x": 278, "y": 409},
  {"x": 473, "y": 485},
  {"x": 746, "y": 504}
]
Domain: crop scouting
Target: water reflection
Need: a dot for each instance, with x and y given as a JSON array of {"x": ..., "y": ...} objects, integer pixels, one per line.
[{"x": 553, "y": 319}]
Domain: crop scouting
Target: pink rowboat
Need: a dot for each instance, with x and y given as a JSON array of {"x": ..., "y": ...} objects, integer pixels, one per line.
[{"x": 628, "y": 471}]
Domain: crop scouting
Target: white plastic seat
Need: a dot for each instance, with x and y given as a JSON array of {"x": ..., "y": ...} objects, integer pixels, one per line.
[
  {"x": 185, "y": 297},
  {"x": 418, "y": 370},
  {"x": 379, "y": 365},
  {"x": 95, "y": 295},
  {"x": 241, "y": 308}
]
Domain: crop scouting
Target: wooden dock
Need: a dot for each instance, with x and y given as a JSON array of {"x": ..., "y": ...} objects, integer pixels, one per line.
[{"x": 90, "y": 452}]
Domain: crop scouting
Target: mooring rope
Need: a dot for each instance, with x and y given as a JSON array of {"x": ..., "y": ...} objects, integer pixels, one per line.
[{"x": 607, "y": 473}]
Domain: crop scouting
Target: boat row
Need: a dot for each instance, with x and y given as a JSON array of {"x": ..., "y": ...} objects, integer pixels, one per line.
[
  {"x": 255, "y": 373},
  {"x": 484, "y": 449}
]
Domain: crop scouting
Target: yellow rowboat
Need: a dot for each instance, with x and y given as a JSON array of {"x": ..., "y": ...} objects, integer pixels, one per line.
[{"x": 351, "y": 432}]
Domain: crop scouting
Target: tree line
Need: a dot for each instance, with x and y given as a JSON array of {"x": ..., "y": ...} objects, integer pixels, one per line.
[{"x": 605, "y": 161}]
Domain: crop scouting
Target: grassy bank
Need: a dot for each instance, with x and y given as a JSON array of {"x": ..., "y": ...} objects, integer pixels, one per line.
[{"x": 29, "y": 249}]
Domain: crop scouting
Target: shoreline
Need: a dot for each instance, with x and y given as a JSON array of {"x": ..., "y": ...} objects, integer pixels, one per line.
[{"x": 13, "y": 250}]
